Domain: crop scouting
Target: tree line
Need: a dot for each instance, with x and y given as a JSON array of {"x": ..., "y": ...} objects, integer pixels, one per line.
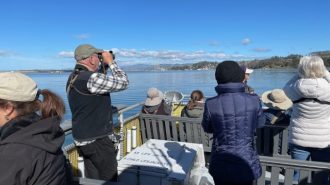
[{"x": 290, "y": 61}]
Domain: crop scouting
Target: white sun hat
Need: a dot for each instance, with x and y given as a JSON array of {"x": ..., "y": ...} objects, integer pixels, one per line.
[{"x": 154, "y": 97}]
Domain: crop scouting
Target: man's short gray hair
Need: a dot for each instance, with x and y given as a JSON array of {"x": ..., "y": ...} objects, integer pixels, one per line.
[{"x": 311, "y": 67}]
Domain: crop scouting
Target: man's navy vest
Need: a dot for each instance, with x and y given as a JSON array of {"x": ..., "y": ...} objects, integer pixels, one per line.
[{"x": 91, "y": 113}]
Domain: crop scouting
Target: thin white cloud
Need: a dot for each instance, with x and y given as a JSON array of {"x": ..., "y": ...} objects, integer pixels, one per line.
[
  {"x": 261, "y": 50},
  {"x": 214, "y": 43},
  {"x": 66, "y": 54},
  {"x": 25, "y": 62},
  {"x": 177, "y": 56},
  {"x": 246, "y": 41},
  {"x": 4, "y": 53},
  {"x": 82, "y": 36},
  {"x": 165, "y": 56}
]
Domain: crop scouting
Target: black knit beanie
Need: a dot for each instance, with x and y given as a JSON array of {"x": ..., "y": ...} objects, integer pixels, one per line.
[{"x": 229, "y": 71}]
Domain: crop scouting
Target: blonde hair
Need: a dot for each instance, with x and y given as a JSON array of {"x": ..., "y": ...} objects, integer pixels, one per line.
[{"x": 311, "y": 67}]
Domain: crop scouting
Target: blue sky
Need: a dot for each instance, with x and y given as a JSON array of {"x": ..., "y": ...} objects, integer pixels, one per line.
[{"x": 43, "y": 34}]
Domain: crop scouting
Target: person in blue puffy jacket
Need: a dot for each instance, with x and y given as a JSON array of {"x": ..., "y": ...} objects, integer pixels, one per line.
[{"x": 233, "y": 116}]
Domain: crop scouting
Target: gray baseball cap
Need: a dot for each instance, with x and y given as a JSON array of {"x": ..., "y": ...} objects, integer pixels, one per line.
[{"x": 84, "y": 51}]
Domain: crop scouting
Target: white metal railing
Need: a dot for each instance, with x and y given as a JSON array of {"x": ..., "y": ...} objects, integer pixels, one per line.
[
  {"x": 121, "y": 120},
  {"x": 67, "y": 125}
]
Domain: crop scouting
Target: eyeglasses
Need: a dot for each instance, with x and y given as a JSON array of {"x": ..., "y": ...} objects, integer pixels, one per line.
[
  {"x": 99, "y": 55},
  {"x": 94, "y": 55}
]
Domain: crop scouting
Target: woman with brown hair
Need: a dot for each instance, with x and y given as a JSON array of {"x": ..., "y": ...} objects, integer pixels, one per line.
[
  {"x": 30, "y": 133},
  {"x": 195, "y": 106}
]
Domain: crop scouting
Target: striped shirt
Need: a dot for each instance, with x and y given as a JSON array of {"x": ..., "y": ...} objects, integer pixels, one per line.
[{"x": 100, "y": 83}]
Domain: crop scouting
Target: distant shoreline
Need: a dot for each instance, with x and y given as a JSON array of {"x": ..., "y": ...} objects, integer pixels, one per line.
[
  {"x": 69, "y": 71},
  {"x": 44, "y": 71},
  {"x": 289, "y": 62}
]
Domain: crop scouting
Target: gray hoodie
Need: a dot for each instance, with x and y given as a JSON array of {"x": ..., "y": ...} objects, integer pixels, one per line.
[{"x": 196, "y": 112}]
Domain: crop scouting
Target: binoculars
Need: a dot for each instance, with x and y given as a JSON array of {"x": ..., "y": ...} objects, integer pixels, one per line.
[
  {"x": 103, "y": 68},
  {"x": 101, "y": 57}
]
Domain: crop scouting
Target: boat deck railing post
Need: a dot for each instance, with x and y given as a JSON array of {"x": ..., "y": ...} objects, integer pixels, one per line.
[{"x": 121, "y": 122}]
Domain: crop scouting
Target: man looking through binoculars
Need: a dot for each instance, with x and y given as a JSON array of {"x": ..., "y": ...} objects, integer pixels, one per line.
[{"x": 88, "y": 90}]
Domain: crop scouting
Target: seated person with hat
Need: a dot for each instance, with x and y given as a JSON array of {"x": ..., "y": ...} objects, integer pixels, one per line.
[
  {"x": 278, "y": 107},
  {"x": 155, "y": 103}
]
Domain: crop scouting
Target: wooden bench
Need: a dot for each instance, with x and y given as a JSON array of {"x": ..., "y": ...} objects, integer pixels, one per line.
[
  {"x": 174, "y": 129},
  {"x": 271, "y": 140},
  {"x": 279, "y": 171}
]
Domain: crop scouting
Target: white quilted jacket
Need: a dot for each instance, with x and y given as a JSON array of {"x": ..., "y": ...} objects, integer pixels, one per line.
[{"x": 310, "y": 120}]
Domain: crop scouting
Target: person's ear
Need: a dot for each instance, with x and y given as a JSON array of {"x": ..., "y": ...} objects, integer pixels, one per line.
[{"x": 9, "y": 111}]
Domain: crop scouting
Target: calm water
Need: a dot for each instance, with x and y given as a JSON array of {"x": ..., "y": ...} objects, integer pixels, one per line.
[{"x": 183, "y": 81}]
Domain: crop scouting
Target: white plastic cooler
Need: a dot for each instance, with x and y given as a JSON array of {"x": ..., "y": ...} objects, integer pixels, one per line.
[{"x": 159, "y": 162}]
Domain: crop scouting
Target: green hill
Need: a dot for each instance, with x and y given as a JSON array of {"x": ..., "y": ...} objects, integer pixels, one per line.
[{"x": 290, "y": 61}]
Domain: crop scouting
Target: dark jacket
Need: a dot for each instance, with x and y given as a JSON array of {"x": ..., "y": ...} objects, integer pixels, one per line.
[
  {"x": 233, "y": 116},
  {"x": 161, "y": 109},
  {"x": 248, "y": 89},
  {"x": 91, "y": 113},
  {"x": 196, "y": 112},
  {"x": 30, "y": 152},
  {"x": 277, "y": 117}
]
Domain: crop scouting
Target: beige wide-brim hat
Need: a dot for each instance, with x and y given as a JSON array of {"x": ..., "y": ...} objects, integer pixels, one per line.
[
  {"x": 276, "y": 99},
  {"x": 154, "y": 97}
]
